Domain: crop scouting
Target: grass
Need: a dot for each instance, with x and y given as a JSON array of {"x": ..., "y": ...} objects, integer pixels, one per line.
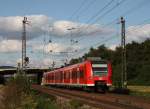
[
  {"x": 140, "y": 91},
  {"x": 18, "y": 94},
  {"x": 143, "y": 89}
]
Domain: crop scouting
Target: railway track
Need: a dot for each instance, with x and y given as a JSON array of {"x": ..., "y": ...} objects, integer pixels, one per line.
[{"x": 103, "y": 101}]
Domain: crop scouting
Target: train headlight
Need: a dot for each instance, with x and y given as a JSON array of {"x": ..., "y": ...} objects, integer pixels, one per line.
[{"x": 100, "y": 78}]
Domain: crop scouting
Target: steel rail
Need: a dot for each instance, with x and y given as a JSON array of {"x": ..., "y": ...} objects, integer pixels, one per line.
[{"x": 94, "y": 101}]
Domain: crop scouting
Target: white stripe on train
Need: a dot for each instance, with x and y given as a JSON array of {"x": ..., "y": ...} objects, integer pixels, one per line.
[{"x": 72, "y": 84}]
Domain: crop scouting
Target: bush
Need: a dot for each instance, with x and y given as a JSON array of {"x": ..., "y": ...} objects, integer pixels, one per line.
[
  {"x": 76, "y": 104},
  {"x": 45, "y": 103},
  {"x": 14, "y": 90}
]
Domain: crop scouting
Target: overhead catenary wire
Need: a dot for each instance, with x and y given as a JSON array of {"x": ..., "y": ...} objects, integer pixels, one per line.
[
  {"x": 82, "y": 8},
  {"x": 100, "y": 11},
  {"x": 139, "y": 5},
  {"x": 95, "y": 15},
  {"x": 100, "y": 17},
  {"x": 86, "y": 48},
  {"x": 78, "y": 9},
  {"x": 140, "y": 26},
  {"x": 107, "y": 12},
  {"x": 135, "y": 8},
  {"x": 113, "y": 22},
  {"x": 86, "y": 8},
  {"x": 112, "y": 37},
  {"x": 104, "y": 8}
]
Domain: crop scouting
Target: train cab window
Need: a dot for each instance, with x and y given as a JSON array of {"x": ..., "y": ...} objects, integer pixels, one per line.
[{"x": 100, "y": 69}]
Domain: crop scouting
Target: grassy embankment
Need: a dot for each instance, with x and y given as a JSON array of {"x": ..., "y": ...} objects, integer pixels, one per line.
[
  {"x": 140, "y": 91},
  {"x": 17, "y": 94}
]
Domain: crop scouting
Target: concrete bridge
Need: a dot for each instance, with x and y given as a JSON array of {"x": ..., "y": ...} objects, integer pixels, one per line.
[{"x": 34, "y": 74}]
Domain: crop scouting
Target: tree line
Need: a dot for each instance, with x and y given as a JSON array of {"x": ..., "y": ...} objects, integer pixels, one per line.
[{"x": 137, "y": 57}]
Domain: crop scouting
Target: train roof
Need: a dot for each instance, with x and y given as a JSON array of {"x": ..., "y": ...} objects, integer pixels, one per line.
[
  {"x": 76, "y": 65},
  {"x": 68, "y": 67}
]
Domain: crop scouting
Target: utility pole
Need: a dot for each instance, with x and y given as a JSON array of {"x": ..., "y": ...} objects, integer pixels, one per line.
[
  {"x": 24, "y": 58},
  {"x": 123, "y": 45}
]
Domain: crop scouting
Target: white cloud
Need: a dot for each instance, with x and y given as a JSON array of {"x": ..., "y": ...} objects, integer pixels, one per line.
[
  {"x": 44, "y": 63},
  {"x": 7, "y": 63},
  {"x": 55, "y": 48},
  {"x": 61, "y": 28},
  {"x": 10, "y": 46},
  {"x": 11, "y": 27},
  {"x": 138, "y": 33},
  {"x": 113, "y": 47}
]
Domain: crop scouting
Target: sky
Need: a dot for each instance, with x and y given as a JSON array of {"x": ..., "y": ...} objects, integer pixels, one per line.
[{"x": 59, "y": 30}]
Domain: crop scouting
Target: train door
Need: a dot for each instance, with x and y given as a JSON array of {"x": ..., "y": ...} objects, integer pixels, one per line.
[
  {"x": 74, "y": 76},
  {"x": 60, "y": 78},
  {"x": 78, "y": 75},
  {"x": 63, "y": 77},
  {"x": 67, "y": 76},
  {"x": 81, "y": 75},
  {"x": 48, "y": 78},
  {"x": 70, "y": 76},
  {"x": 89, "y": 74},
  {"x": 54, "y": 77}
]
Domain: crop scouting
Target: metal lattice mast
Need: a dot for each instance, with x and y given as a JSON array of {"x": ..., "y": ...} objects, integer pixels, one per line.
[
  {"x": 24, "y": 22},
  {"x": 123, "y": 45}
]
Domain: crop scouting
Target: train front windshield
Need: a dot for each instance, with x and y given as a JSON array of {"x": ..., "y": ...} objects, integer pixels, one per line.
[{"x": 99, "y": 68}]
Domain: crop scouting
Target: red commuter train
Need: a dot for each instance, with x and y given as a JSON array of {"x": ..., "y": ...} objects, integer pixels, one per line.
[{"x": 88, "y": 74}]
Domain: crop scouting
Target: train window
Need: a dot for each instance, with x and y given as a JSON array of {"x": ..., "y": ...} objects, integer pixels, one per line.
[
  {"x": 61, "y": 75},
  {"x": 56, "y": 75},
  {"x": 68, "y": 77},
  {"x": 46, "y": 77},
  {"x": 49, "y": 77},
  {"x": 74, "y": 74},
  {"x": 64, "y": 75}
]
